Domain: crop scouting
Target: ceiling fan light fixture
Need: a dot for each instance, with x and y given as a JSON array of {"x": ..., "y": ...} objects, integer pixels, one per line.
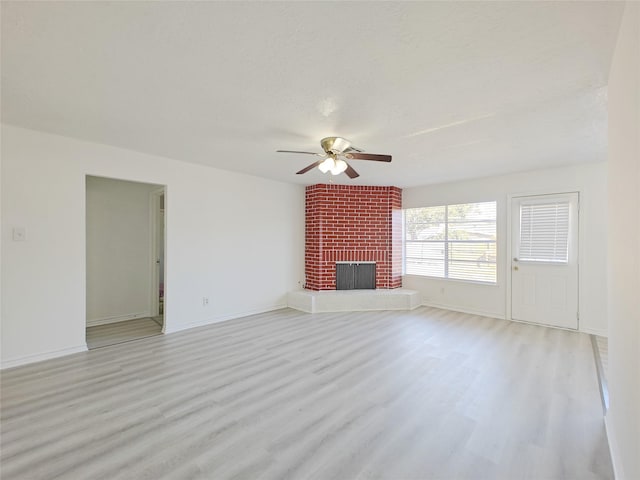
[
  {"x": 336, "y": 150},
  {"x": 327, "y": 165},
  {"x": 339, "y": 167}
]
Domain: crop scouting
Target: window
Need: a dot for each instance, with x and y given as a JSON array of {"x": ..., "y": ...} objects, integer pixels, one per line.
[
  {"x": 451, "y": 241},
  {"x": 544, "y": 232}
]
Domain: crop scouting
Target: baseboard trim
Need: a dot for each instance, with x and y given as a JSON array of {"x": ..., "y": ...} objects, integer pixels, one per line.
[
  {"x": 470, "y": 311},
  {"x": 39, "y": 357},
  {"x": 618, "y": 470},
  {"x": 168, "y": 328},
  {"x": 117, "y": 318},
  {"x": 602, "y": 381}
]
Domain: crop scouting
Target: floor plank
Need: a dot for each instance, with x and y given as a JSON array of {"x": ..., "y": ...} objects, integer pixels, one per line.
[
  {"x": 120, "y": 332},
  {"x": 426, "y": 394}
]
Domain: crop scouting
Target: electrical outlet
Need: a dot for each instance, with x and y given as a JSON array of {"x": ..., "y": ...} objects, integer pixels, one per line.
[
  {"x": 441, "y": 290},
  {"x": 205, "y": 301}
]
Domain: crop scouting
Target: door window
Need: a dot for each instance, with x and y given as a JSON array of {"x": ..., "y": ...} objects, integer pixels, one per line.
[{"x": 544, "y": 232}]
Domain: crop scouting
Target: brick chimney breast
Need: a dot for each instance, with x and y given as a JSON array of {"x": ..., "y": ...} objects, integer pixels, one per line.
[{"x": 352, "y": 223}]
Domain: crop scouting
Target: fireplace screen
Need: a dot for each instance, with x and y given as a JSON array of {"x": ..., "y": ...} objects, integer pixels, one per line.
[{"x": 351, "y": 276}]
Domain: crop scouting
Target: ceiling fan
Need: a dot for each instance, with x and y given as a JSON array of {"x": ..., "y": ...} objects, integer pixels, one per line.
[{"x": 337, "y": 151}]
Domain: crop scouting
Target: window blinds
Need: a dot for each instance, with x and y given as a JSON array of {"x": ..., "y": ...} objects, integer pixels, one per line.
[
  {"x": 544, "y": 232},
  {"x": 452, "y": 241}
]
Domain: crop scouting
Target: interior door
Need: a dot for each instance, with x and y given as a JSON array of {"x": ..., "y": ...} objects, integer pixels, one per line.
[{"x": 544, "y": 264}]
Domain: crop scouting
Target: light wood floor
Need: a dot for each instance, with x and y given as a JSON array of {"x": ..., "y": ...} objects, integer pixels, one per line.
[
  {"x": 427, "y": 394},
  {"x": 120, "y": 332}
]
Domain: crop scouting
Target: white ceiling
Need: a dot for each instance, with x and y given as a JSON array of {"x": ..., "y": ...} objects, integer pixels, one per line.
[{"x": 452, "y": 90}]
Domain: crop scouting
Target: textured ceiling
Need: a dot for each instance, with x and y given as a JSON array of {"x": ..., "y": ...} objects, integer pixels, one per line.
[{"x": 452, "y": 90}]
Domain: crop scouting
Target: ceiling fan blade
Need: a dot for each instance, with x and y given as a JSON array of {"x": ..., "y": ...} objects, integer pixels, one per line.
[
  {"x": 309, "y": 167},
  {"x": 352, "y": 149},
  {"x": 296, "y": 151},
  {"x": 368, "y": 156},
  {"x": 351, "y": 172}
]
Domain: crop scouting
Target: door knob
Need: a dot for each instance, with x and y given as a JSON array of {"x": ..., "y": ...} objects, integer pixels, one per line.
[{"x": 515, "y": 259}]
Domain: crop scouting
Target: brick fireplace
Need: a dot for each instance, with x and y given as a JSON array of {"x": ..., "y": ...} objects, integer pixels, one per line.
[{"x": 347, "y": 223}]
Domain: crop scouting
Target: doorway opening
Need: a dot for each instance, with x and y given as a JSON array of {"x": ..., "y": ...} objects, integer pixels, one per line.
[
  {"x": 125, "y": 260},
  {"x": 158, "y": 240}
]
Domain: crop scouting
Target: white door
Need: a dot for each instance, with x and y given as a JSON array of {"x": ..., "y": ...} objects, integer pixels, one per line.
[{"x": 544, "y": 264}]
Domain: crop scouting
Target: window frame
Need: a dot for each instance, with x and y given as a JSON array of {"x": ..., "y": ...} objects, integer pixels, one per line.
[{"x": 447, "y": 242}]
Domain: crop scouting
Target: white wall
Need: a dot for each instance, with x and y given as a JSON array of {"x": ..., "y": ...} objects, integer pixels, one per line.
[
  {"x": 623, "y": 417},
  {"x": 233, "y": 238},
  {"x": 119, "y": 250},
  {"x": 589, "y": 180}
]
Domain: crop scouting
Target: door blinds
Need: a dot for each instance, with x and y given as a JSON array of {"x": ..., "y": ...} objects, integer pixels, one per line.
[{"x": 544, "y": 232}]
